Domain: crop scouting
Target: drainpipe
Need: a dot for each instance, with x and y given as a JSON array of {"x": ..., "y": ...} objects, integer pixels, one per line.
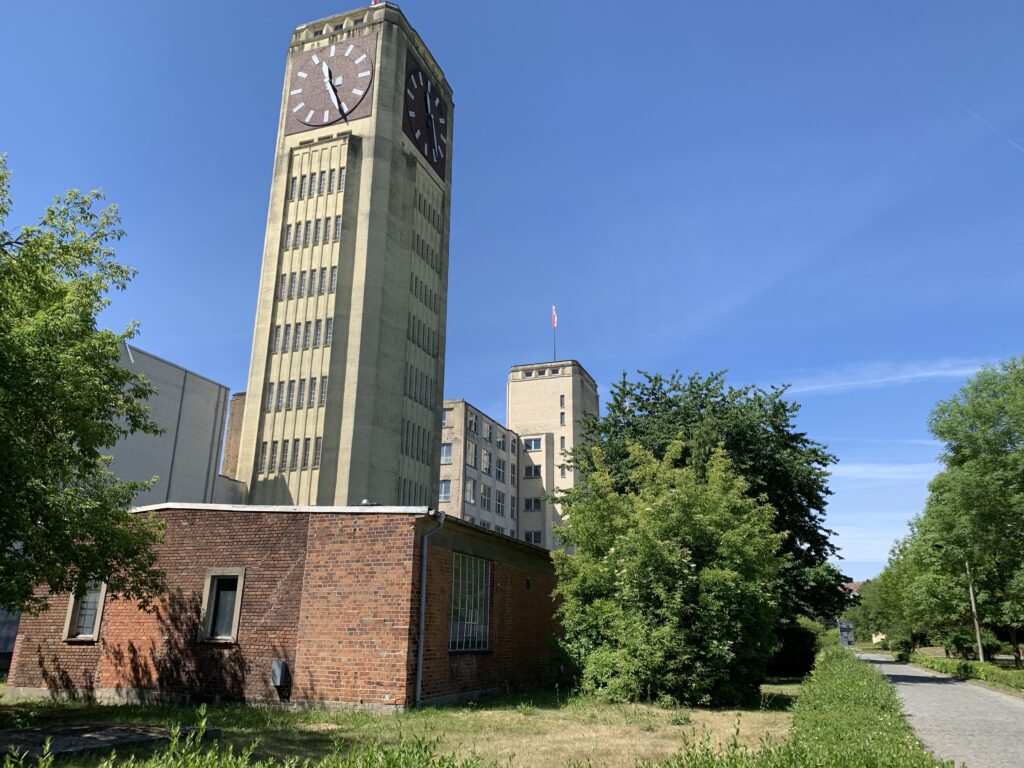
[{"x": 424, "y": 548}]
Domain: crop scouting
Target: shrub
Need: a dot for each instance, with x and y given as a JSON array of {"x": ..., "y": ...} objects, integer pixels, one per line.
[
  {"x": 973, "y": 670},
  {"x": 800, "y": 640}
]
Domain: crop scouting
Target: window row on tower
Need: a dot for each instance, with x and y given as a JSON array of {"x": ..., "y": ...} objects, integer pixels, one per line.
[
  {"x": 296, "y": 284},
  {"x": 316, "y": 183},
  {"x": 308, "y": 335},
  {"x": 423, "y": 336},
  {"x": 293, "y": 454},
  {"x": 308, "y": 233},
  {"x": 419, "y": 387},
  {"x": 428, "y": 212},
  {"x": 294, "y": 394},
  {"x": 413, "y": 493},
  {"x": 417, "y": 442},
  {"x": 423, "y": 292},
  {"x": 428, "y": 254}
]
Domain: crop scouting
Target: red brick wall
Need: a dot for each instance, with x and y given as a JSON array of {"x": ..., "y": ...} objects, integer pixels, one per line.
[
  {"x": 521, "y": 621},
  {"x": 159, "y": 650}
]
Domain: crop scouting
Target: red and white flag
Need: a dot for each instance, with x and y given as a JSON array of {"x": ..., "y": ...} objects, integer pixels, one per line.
[{"x": 554, "y": 317}]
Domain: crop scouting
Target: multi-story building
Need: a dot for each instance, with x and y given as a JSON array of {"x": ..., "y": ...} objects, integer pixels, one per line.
[
  {"x": 479, "y": 469},
  {"x": 347, "y": 365},
  {"x": 546, "y": 406}
]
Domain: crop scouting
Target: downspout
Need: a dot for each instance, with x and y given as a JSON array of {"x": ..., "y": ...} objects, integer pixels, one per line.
[{"x": 424, "y": 548}]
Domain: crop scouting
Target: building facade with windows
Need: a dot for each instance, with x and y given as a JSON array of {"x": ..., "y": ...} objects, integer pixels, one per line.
[
  {"x": 303, "y": 605},
  {"x": 347, "y": 364},
  {"x": 547, "y": 403},
  {"x": 479, "y": 469}
]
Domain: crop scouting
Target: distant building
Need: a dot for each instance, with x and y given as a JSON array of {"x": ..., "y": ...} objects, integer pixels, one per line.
[
  {"x": 479, "y": 467},
  {"x": 546, "y": 406},
  {"x": 185, "y": 457}
]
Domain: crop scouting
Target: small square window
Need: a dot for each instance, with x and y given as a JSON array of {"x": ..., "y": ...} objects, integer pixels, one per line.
[
  {"x": 84, "y": 613},
  {"x": 222, "y": 603},
  {"x": 531, "y": 443}
]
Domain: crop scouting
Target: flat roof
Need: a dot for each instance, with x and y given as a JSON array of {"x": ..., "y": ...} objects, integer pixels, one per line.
[{"x": 546, "y": 364}]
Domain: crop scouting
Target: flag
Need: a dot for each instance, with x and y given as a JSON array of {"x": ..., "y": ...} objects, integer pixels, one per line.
[{"x": 554, "y": 317}]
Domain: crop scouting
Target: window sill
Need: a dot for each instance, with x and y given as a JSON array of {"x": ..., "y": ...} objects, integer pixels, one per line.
[
  {"x": 481, "y": 652},
  {"x": 219, "y": 640},
  {"x": 83, "y": 640}
]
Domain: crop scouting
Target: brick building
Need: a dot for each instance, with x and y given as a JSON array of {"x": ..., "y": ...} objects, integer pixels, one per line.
[{"x": 333, "y": 592}]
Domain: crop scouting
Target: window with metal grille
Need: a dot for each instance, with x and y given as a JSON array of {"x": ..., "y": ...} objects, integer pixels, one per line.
[
  {"x": 469, "y": 626},
  {"x": 84, "y": 613}
]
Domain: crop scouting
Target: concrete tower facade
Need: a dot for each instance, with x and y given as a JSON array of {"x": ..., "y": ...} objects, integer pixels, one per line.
[
  {"x": 546, "y": 406},
  {"x": 345, "y": 381}
]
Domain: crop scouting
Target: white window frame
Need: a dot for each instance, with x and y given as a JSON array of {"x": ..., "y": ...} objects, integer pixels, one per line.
[
  {"x": 469, "y": 622},
  {"x": 529, "y": 441},
  {"x": 444, "y": 490},
  {"x": 207, "y": 613},
  {"x": 71, "y": 619}
]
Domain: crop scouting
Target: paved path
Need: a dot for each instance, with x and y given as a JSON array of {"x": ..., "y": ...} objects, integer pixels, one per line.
[{"x": 955, "y": 720}]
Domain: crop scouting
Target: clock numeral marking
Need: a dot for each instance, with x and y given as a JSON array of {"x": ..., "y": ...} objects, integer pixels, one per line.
[
  {"x": 360, "y": 59},
  {"x": 357, "y": 92},
  {"x": 316, "y": 59},
  {"x": 309, "y": 117},
  {"x": 332, "y": 51},
  {"x": 442, "y": 138},
  {"x": 338, "y": 79},
  {"x": 411, "y": 113},
  {"x": 298, "y": 106},
  {"x": 344, "y": 108},
  {"x": 364, "y": 74},
  {"x": 409, "y": 93},
  {"x": 327, "y": 115},
  {"x": 436, "y": 102},
  {"x": 440, "y": 120},
  {"x": 421, "y": 78},
  {"x": 418, "y": 132},
  {"x": 296, "y": 92},
  {"x": 302, "y": 74},
  {"x": 347, "y": 52}
]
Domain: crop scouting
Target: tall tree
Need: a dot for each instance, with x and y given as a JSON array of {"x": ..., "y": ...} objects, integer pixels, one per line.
[
  {"x": 64, "y": 518},
  {"x": 672, "y": 586},
  {"x": 756, "y": 428}
]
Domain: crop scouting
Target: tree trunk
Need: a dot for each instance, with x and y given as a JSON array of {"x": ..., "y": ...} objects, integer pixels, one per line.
[{"x": 1015, "y": 642}]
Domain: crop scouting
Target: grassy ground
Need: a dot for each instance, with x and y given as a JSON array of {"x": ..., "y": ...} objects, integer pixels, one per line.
[{"x": 537, "y": 729}]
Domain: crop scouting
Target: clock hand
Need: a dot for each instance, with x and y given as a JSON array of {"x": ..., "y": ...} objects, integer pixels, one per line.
[
  {"x": 329, "y": 84},
  {"x": 430, "y": 114}
]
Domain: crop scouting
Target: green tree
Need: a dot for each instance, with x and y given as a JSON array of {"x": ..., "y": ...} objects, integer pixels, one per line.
[
  {"x": 671, "y": 588},
  {"x": 64, "y": 518},
  {"x": 756, "y": 427}
]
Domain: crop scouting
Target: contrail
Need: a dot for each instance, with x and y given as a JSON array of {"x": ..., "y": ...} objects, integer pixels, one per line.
[{"x": 973, "y": 114}]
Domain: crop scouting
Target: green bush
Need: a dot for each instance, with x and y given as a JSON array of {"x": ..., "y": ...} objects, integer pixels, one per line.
[
  {"x": 973, "y": 670},
  {"x": 800, "y": 641}
]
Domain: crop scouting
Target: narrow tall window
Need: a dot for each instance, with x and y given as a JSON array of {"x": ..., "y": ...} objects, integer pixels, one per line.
[
  {"x": 297, "y": 337},
  {"x": 561, "y": 418},
  {"x": 446, "y": 453},
  {"x": 222, "y": 598},
  {"x": 312, "y": 282},
  {"x": 337, "y": 227},
  {"x": 282, "y": 290},
  {"x": 323, "y": 183},
  {"x": 328, "y": 332},
  {"x": 316, "y": 232},
  {"x": 270, "y": 397},
  {"x": 275, "y": 345},
  {"x": 302, "y": 187},
  {"x": 300, "y": 396},
  {"x": 305, "y": 234},
  {"x": 323, "y": 390},
  {"x": 305, "y": 452},
  {"x": 317, "y": 447},
  {"x": 298, "y": 235},
  {"x": 445, "y": 491},
  {"x": 312, "y": 184},
  {"x": 286, "y": 339},
  {"x": 294, "y": 463},
  {"x": 323, "y": 280},
  {"x": 561, "y": 401},
  {"x": 330, "y": 181},
  {"x": 312, "y": 393},
  {"x": 284, "y": 456},
  {"x": 262, "y": 467},
  {"x": 327, "y": 230},
  {"x": 290, "y": 401},
  {"x": 561, "y": 442},
  {"x": 317, "y": 329},
  {"x": 307, "y": 334},
  {"x": 280, "y": 396},
  {"x": 287, "y": 236},
  {"x": 334, "y": 279},
  {"x": 84, "y": 611},
  {"x": 341, "y": 180},
  {"x": 302, "y": 284},
  {"x": 273, "y": 456},
  {"x": 470, "y": 618},
  {"x": 291, "y": 188}
]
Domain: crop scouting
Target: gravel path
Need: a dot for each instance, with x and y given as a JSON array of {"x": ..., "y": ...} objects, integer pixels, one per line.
[{"x": 970, "y": 724}]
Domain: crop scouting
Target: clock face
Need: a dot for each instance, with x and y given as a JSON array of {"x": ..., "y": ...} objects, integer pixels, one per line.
[
  {"x": 426, "y": 117},
  {"x": 328, "y": 84}
]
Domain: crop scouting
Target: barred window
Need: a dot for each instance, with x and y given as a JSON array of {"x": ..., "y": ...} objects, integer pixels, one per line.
[
  {"x": 469, "y": 627},
  {"x": 84, "y": 611}
]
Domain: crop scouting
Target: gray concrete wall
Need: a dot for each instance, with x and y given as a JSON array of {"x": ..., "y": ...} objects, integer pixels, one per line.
[{"x": 185, "y": 459}]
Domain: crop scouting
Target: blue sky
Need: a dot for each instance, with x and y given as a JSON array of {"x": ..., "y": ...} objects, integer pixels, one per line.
[{"x": 827, "y": 194}]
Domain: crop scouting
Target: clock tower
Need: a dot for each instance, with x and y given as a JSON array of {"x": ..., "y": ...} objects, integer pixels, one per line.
[{"x": 345, "y": 381}]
